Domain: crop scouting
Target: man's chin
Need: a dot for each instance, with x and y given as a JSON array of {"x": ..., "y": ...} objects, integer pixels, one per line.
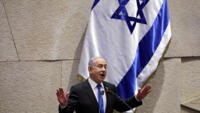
[{"x": 101, "y": 79}]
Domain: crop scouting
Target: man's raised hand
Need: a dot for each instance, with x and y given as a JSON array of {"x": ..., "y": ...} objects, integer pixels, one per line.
[
  {"x": 62, "y": 97},
  {"x": 143, "y": 92}
]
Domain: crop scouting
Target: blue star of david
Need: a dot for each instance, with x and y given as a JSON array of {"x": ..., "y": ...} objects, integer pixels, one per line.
[{"x": 122, "y": 14}]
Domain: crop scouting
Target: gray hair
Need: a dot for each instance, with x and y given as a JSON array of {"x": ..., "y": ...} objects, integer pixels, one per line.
[{"x": 91, "y": 61}]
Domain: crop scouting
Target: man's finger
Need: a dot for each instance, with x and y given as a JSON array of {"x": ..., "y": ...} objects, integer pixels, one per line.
[
  {"x": 67, "y": 93},
  {"x": 149, "y": 91},
  {"x": 140, "y": 91},
  {"x": 61, "y": 90},
  {"x": 146, "y": 88},
  {"x": 57, "y": 93}
]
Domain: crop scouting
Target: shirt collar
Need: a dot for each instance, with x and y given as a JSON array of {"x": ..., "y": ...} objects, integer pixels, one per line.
[{"x": 93, "y": 84}]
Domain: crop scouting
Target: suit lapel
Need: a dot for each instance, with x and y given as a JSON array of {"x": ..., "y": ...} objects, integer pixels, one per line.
[
  {"x": 107, "y": 97},
  {"x": 91, "y": 95}
]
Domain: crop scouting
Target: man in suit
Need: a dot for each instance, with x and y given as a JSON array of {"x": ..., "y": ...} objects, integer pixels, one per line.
[{"x": 95, "y": 95}]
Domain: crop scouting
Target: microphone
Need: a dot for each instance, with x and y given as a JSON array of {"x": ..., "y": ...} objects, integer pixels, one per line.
[
  {"x": 102, "y": 92},
  {"x": 116, "y": 95}
]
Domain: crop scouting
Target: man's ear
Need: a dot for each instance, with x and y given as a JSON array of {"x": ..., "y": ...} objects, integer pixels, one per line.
[{"x": 89, "y": 68}]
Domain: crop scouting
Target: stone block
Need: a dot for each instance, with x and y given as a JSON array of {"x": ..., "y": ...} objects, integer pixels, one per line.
[
  {"x": 69, "y": 74},
  {"x": 165, "y": 94},
  {"x": 48, "y": 30},
  {"x": 188, "y": 110},
  {"x": 190, "y": 79},
  {"x": 29, "y": 87},
  {"x": 7, "y": 48},
  {"x": 185, "y": 24},
  {"x": 193, "y": 104}
]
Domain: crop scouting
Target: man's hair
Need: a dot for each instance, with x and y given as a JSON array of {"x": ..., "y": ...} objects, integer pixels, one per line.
[{"x": 91, "y": 61}]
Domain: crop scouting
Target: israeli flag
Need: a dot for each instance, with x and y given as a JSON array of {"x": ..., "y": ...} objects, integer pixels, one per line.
[{"x": 131, "y": 35}]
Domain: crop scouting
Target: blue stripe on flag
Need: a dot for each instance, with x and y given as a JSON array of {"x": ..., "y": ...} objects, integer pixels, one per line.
[
  {"x": 95, "y": 3},
  {"x": 145, "y": 51}
]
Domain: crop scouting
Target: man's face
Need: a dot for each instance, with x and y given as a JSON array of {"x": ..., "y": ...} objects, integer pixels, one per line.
[{"x": 98, "y": 71}]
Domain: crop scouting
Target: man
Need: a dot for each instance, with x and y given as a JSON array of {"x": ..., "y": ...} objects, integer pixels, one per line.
[{"x": 95, "y": 95}]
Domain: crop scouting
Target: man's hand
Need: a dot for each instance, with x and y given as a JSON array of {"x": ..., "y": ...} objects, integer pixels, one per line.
[
  {"x": 62, "y": 97},
  {"x": 143, "y": 92}
]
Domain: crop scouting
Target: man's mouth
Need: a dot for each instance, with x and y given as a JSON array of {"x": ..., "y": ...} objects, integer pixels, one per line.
[{"x": 102, "y": 75}]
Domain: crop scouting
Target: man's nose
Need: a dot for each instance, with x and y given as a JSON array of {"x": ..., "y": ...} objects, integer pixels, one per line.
[{"x": 104, "y": 68}]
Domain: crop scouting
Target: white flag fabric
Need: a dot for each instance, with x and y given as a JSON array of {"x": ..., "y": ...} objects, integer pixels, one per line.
[{"x": 131, "y": 35}]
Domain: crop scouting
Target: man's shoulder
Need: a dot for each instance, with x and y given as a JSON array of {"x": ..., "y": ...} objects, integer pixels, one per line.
[
  {"x": 108, "y": 84},
  {"x": 80, "y": 85}
]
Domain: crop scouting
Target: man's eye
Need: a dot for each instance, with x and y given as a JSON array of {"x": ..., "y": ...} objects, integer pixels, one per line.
[{"x": 100, "y": 66}]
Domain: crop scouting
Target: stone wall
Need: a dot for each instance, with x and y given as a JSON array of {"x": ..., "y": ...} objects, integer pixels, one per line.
[{"x": 40, "y": 47}]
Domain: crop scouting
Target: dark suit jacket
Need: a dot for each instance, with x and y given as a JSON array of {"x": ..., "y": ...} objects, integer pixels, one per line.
[{"x": 82, "y": 100}]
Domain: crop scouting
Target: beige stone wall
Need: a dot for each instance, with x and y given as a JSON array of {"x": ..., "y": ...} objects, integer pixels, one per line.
[{"x": 40, "y": 46}]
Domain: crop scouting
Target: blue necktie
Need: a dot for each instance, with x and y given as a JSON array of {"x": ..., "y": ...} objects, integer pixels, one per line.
[{"x": 100, "y": 98}]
